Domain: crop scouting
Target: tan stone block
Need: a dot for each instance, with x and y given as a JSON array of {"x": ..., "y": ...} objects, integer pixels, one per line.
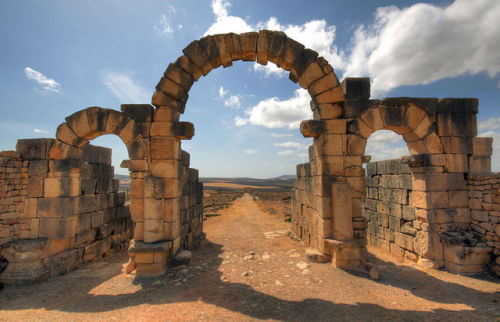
[
  {"x": 292, "y": 50},
  {"x": 208, "y": 45},
  {"x": 136, "y": 188},
  {"x": 277, "y": 46},
  {"x": 144, "y": 258},
  {"x": 329, "y": 111},
  {"x": 312, "y": 73},
  {"x": 153, "y": 209},
  {"x": 66, "y": 135},
  {"x": 34, "y": 224},
  {"x": 154, "y": 226},
  {"x": 171, "y": 210},
  {"x": 360, "y": 128},
  {"x": 438, "y": 181},
  {"x": 331, "y": 165},
  {"x": 56, "y": 228},
  {"x": 224, "y": 44},
  {"x": 196, "y": 55},
  {"x": 429, "y": 200},
  {"x": 30, "y": 207},
  {"x": 323, "y": 84},
  {"x": 160, "y": 257},
  {"x": 165, "y": 148},
  {"x": 165, "y": 168},
  {"x": 331, "y": 144},
  {"x": 236, "y": 52},
  {"x": 482, "y": 146},
  {"x": 137, "y": 209},
  {"x": 189, "y": 67},
  {"x": 162, "y": 129},
  {"x": 61, "y": 187},
  {"x": 263, "y": 45},
  {"x": 414, "y": 117},
  {"x": 479, "y": 164},
  {"x": 396, "y": 251},
  {"x": 139, "y": 231},
  {"x": 78, "y": 122},
  {"x": 171, "y": 89},
  {"x": 333, "y": 95},
  {"x": 165, "y": 114},
  {"x": 338, "y": 126},
  {"x": 248, "y": 43},
  {"x": 342, "y": 211},
  {"x": 355, "y": 145},
  {"x": 459, "y": 199},
  {"x": 180, "y": 77},
  {"x": 35, "y": 187},
  {"x": 129, "y": 132},
  {"x": 373, "y": 119},
  {"x": 324, "y": 228},
  {"x": 430, "y": 144},
  {"x": 161, "y": 99},
  {"x": 171, "y": 230},
  {"x": 457, "y": 163}
]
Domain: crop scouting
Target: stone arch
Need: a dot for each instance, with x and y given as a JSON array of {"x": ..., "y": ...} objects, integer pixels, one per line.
[
  {"x": 410, "y": 121},
  {"x": 201, "y": 56},
  {"x": 92, "y": 122}
]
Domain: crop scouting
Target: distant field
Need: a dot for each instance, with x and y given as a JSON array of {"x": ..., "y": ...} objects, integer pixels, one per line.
[{"x": 280, "y": 183}]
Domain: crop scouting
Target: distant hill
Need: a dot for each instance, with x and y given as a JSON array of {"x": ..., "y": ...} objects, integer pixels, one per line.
[{"x": 286, "y": 177}]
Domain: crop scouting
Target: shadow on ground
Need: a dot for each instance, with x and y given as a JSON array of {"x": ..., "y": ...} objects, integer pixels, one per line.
[{"x": 71, "y": 293}]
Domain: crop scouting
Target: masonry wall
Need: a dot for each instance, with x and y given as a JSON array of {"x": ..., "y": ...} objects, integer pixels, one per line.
[
  {"x": 13, "y": 191},
  {"x": 391, "y": 219},
  {"x": 305, "y": 217},
  {"x": 191, "y": 205},
  {"x": 72, "y": 211},
  {"x": 484, "y": 193}
]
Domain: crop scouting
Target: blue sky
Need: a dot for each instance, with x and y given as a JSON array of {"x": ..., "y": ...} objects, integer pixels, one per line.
[{"x": 58, "y": 57}]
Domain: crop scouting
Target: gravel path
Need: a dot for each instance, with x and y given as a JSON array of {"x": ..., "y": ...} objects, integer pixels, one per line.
[{"x": 249, "y": 269}]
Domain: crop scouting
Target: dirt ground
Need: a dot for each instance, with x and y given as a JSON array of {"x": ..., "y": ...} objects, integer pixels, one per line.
[{"x": 249, "y": 269}]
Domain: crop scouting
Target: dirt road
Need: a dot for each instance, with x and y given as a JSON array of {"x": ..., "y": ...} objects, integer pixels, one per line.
[{"x": 248, "y": 269}]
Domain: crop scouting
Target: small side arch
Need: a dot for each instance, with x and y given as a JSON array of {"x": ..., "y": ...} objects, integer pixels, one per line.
[{"x": 92, "y": 122}]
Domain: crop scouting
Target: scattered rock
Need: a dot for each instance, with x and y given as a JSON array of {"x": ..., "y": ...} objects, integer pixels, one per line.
[
  {"x": 302, "y": 265},
  {"x": 278, "y": 283},
  {"x": 248, "y": 257},
  {"x": 157, "y": 283},
  {"x": 374, "y": 274},
  {"x": 183, "y": 257},
  {"x": 245, "y": 274},
  {"x": 266, "y": 256},
  {"x": 315, "y": 256},
  {"x": 305, "y": 271}
]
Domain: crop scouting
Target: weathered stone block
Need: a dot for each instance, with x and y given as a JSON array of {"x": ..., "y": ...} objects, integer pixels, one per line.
[
  {"x": 248, "y": 43},
  {"x": 165, "y": 148},
  {"x": 356, "y": 88},
  {"x": 61, "y": 187},
  {"x": 55, "y": 228}
]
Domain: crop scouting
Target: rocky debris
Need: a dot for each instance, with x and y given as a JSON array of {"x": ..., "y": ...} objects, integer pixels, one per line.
[
  {"x": 183, "y": 257},
  {"x": 315, "y": 256},
  {"x": 302, "y": 265}
]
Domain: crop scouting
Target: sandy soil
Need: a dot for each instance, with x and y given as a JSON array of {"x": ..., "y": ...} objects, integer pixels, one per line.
[{"x": 248, "y": 269}]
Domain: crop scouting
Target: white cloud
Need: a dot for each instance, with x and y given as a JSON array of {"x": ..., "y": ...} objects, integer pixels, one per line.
[
  {"x": 269, "y": 70},
  {"x": 250, "y": 151},
  {"x": 273, "y": 113},
  {"x": 290, "y": 144},
  {"x": 48, "y": 84},
  {"x": 424, "y": 43},
  {"x": 164, "y": 26},
  {"x": 287, "y": 152},
  {"x": 172, "y": 9},
  {"x": 180, "y": 27},
  {"x": 385, "y": 145},
  {"x": 278, "y": 135},
  {"x": 222, "y": 92},
  {"x": 315, "y": 34},
  {"x": 233, "y": 101},
  {"x": 489, "y": 124},
  {"x": 224, "y": 22},
  {"x": 38, "y": 131},
  {"x": 124, "y": 88}
]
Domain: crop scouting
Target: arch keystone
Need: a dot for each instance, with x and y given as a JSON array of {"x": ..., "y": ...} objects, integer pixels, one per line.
[{"x": 248, "y": 42}]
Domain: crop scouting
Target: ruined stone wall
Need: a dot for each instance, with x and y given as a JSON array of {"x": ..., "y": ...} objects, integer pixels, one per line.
[
  {"x": 305, "y": 219},
  {"x": 391, "y": 219},
  {"x": 484, "y": 193},
  {"x": 72, "y": 214},
  {"x": 191, "y": 205},
  {"x": 13, "y": 191}
]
